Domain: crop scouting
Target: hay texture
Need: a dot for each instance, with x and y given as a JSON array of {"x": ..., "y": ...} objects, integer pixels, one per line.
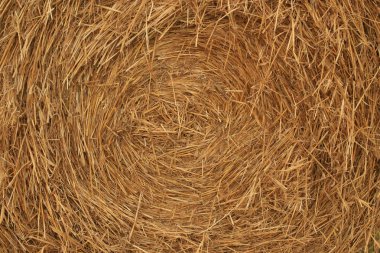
[{"x": 189, "y": 126}]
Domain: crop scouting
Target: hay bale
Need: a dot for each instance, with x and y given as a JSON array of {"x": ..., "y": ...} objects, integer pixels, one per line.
[{"x": 192, "y": 126}]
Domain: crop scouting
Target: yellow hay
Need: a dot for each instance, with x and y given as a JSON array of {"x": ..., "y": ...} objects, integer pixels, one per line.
[{"x": 189, "y": 126}]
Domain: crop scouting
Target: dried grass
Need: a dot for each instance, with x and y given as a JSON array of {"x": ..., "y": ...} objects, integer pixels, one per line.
[{"x": 189, "y": 126}]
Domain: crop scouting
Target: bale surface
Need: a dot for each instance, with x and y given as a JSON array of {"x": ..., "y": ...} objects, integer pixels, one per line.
[{"x": 189, "y": 126}]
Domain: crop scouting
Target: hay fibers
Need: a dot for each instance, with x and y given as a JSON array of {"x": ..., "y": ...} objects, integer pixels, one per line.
[{"x": 189, "y": 126}]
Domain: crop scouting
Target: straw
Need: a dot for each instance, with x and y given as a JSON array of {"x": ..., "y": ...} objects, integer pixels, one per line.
[{"x": 189, "y": 126}]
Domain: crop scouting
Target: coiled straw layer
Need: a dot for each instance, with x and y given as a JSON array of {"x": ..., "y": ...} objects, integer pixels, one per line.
[{"x": 189, "y": 126}]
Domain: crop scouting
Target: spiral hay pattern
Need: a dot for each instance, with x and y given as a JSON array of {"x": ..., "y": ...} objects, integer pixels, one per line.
[{"x": 189, "y": 126}]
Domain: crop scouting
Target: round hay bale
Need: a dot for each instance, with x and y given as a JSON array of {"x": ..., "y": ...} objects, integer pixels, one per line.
[{"x": 189, "y": 126}]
